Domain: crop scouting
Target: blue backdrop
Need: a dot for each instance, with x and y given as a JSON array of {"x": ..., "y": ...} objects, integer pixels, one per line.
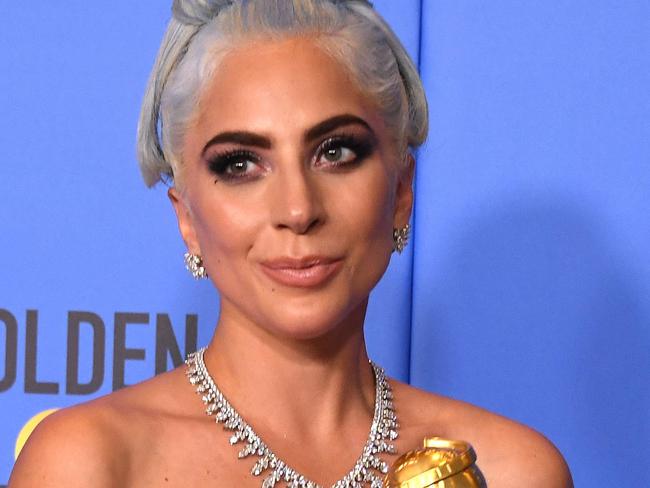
[{"x": 526, "y": 289}]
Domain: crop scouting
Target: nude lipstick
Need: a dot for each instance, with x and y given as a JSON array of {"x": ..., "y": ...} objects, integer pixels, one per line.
[{"x": 306, "y": 272}]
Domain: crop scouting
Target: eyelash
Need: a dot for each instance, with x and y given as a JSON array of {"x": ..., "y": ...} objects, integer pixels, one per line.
[
  {"x": 222, "y": 163},
  {"x": 361, "y": 147}
]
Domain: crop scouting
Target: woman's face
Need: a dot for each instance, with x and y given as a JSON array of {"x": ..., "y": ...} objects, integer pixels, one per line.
[{"x": 290, "y": 189}]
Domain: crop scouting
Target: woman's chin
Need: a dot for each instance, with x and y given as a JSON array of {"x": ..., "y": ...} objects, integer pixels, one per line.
[
  {"x": 312, "y": 323},
  {"x": 306, "y": 328},
  {"x": 299, "y": 315}
]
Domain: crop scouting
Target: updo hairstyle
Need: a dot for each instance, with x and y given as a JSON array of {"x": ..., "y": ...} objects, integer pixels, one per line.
[{"x": 202, "y": 32}]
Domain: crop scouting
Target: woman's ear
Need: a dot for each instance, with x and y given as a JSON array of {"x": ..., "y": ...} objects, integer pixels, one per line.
[
  {"x": 185, "y": 220},
  {"x": 404, "y": 194}
]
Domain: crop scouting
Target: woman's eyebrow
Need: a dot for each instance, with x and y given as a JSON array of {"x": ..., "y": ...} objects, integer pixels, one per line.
[
  {"x": 238, "y": 137},
  {"x": 328, "y": 125},
  {"x": 252, "y": 139}
]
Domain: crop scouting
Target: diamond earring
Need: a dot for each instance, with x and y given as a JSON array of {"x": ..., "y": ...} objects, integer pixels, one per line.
[
  {"x": 194, "y": 264},
  {"x": 401, "y": 238}
]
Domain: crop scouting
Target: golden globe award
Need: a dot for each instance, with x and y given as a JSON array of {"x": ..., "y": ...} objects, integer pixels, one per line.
[{"x": 441, "y": 463}]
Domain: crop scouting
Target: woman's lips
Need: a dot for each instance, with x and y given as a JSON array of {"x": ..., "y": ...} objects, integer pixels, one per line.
[{"x": 302, "y": 273}]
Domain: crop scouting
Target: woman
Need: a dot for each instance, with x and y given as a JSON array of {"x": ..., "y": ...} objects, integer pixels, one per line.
[{"x": 285, "y": 129}]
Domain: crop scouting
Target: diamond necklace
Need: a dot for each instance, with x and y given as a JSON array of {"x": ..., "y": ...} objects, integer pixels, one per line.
[{"x": 367, "y": 471}]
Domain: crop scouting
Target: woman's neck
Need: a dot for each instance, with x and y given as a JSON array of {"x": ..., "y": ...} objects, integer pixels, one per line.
[{"x": 311, "y": 388}]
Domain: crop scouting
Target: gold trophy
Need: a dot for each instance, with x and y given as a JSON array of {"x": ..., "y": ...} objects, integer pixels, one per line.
[{"x": 441, "y": 463}]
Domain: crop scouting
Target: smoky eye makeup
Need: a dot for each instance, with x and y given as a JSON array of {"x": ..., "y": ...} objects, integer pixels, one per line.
[
  {"x": 236, "y": 165},
  {"x": 344, "y": 150},
  {"x": 339, "y": 151}
]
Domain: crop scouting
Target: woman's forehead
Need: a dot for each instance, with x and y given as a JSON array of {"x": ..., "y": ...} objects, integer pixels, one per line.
[{"x": 280, "y": 85}]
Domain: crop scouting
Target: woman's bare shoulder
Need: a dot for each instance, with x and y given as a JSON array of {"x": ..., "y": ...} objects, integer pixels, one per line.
[
  {"x": 510, "y": 454},
  {"x": 90, "y": 444},
  {"x": 76, "y": 446}
]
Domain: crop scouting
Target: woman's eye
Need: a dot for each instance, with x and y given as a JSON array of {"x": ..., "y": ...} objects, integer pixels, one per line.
[
  {"x": 339, "y": 155},
  {"x": 235, "y": 166},
  {"x": 342, "y": 151},
  {"x": 238, "y": 167}
]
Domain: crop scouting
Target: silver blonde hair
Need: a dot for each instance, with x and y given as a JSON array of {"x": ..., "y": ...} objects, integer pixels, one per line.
[{"x": 201, "y": 32}]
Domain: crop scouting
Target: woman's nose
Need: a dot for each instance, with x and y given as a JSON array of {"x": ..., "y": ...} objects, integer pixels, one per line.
[{"x": 297, "y": 201}]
